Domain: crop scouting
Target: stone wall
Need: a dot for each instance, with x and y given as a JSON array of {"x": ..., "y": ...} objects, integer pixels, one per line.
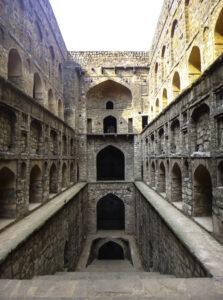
[
  {"x": 187, "y": 40},
  {"x": 182, "y": 148},
  {"x": 55, "y": 246},
  {"x": 31, "y": 143},
  {"x": 33, "y": 52},
  {"x": 159, "y": 248}
]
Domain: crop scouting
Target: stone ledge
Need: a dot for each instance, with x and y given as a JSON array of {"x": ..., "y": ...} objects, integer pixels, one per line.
[
  {"x": 199, "y": 243},
  {"x": 16, "y": 234}
]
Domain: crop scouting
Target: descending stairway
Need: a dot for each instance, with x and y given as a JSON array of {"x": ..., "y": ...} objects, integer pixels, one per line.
[{"x": 97, "y": 283}]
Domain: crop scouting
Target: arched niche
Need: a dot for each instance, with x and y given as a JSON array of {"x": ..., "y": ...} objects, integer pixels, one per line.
[
  {"x": 176, "y": 183},
  {"x": 15, "y": 74},
  {"x": 218, "y": 35},
  {"x": 37, "y": 88},
  {"x": 35, "y": 185},
  {"x": 194, "y": 63},
  {"x": 202, "y": 192},
  {"x": 110, "y": 213},
  {"x": 110, "y": 164}
]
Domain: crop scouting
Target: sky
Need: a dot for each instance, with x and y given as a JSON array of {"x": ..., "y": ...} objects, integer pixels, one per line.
[{"x": 107, "y": 25}]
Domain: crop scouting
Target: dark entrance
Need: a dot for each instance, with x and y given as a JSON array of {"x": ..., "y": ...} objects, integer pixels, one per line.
[
  {"x": 110, "y": 125},
  {"x": 110, "y": 164},
  {"x": 110, "y": 213},
  {"x": 111, "y": 250}
]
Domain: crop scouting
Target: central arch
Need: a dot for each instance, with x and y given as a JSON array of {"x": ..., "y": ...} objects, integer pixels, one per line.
[
  {"x": 111, "y": 250},
  {"x": 110, "y": 213},
  {"x": 110, "y": 164}
]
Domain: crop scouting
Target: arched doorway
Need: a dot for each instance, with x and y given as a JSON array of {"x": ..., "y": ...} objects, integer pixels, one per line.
[
  {"x": 110, "y": 164},
  {"x": 111, "y": 250},
  {"x": 110, "y": 213},
  {"x": 202, "y": 192},
  {"x": 110, "y": 125}
]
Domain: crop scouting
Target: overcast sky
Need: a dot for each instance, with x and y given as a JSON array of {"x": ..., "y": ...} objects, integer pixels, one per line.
[{"x": 100, "y": 25}]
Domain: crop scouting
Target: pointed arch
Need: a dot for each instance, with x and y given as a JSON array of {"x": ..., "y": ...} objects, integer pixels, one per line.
[
  {"x": 162, "y": 178},
  {"x": 202, "y": 192},
  {"x": 194, "y": 63},
  {"x": 37, "y": 88},
  {"x": 51, "y": 100},
  {"x": 64, "y": 176},
  {"x": 176, "y": 86},
  {"x": 176, "y": 183},
  {"x": 15, "y": 74},
  {"x": 109, "y": 90},
  {"x": 157, "y": 106},
  {"x": 53, "y": 179},
  {"x": 165, "y": 100},
  {"x": 7, "y": 193},
  {"x": 218, "y": 35},
  {"x": 60, "y": 109},
  {"x": 35, "y": 185}
]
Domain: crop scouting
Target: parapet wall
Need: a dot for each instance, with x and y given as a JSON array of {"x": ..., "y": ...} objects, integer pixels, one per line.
[{"x": 110, "y": 59}]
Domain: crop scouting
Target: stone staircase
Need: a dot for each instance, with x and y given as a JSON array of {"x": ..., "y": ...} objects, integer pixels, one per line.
[{"x": 96, "y": 283}]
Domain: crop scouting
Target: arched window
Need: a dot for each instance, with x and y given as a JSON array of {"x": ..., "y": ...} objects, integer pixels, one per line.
[
  {"x": 35, "y": 136},
  {"x": 176, "y": 85},
  {"x": 110, "y": 213},
  {"x": 110, "y": 164},
  {"x": 110, "y": 125},
  {"x": 37, "y": 88},
  {"x": 60, "y": 109},
  {"x": 15, "y": 68},
  {"x": 194, "y": 63},
  {"x": 109, "y": 105}
]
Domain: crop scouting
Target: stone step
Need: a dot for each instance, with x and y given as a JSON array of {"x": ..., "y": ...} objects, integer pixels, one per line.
[
  {"x": 102, "y": 275},
  {"x": 132, "y": 287}
]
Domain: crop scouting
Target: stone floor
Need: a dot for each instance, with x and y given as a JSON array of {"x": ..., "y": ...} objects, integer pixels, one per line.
[{"x": 111, "y": 285}]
